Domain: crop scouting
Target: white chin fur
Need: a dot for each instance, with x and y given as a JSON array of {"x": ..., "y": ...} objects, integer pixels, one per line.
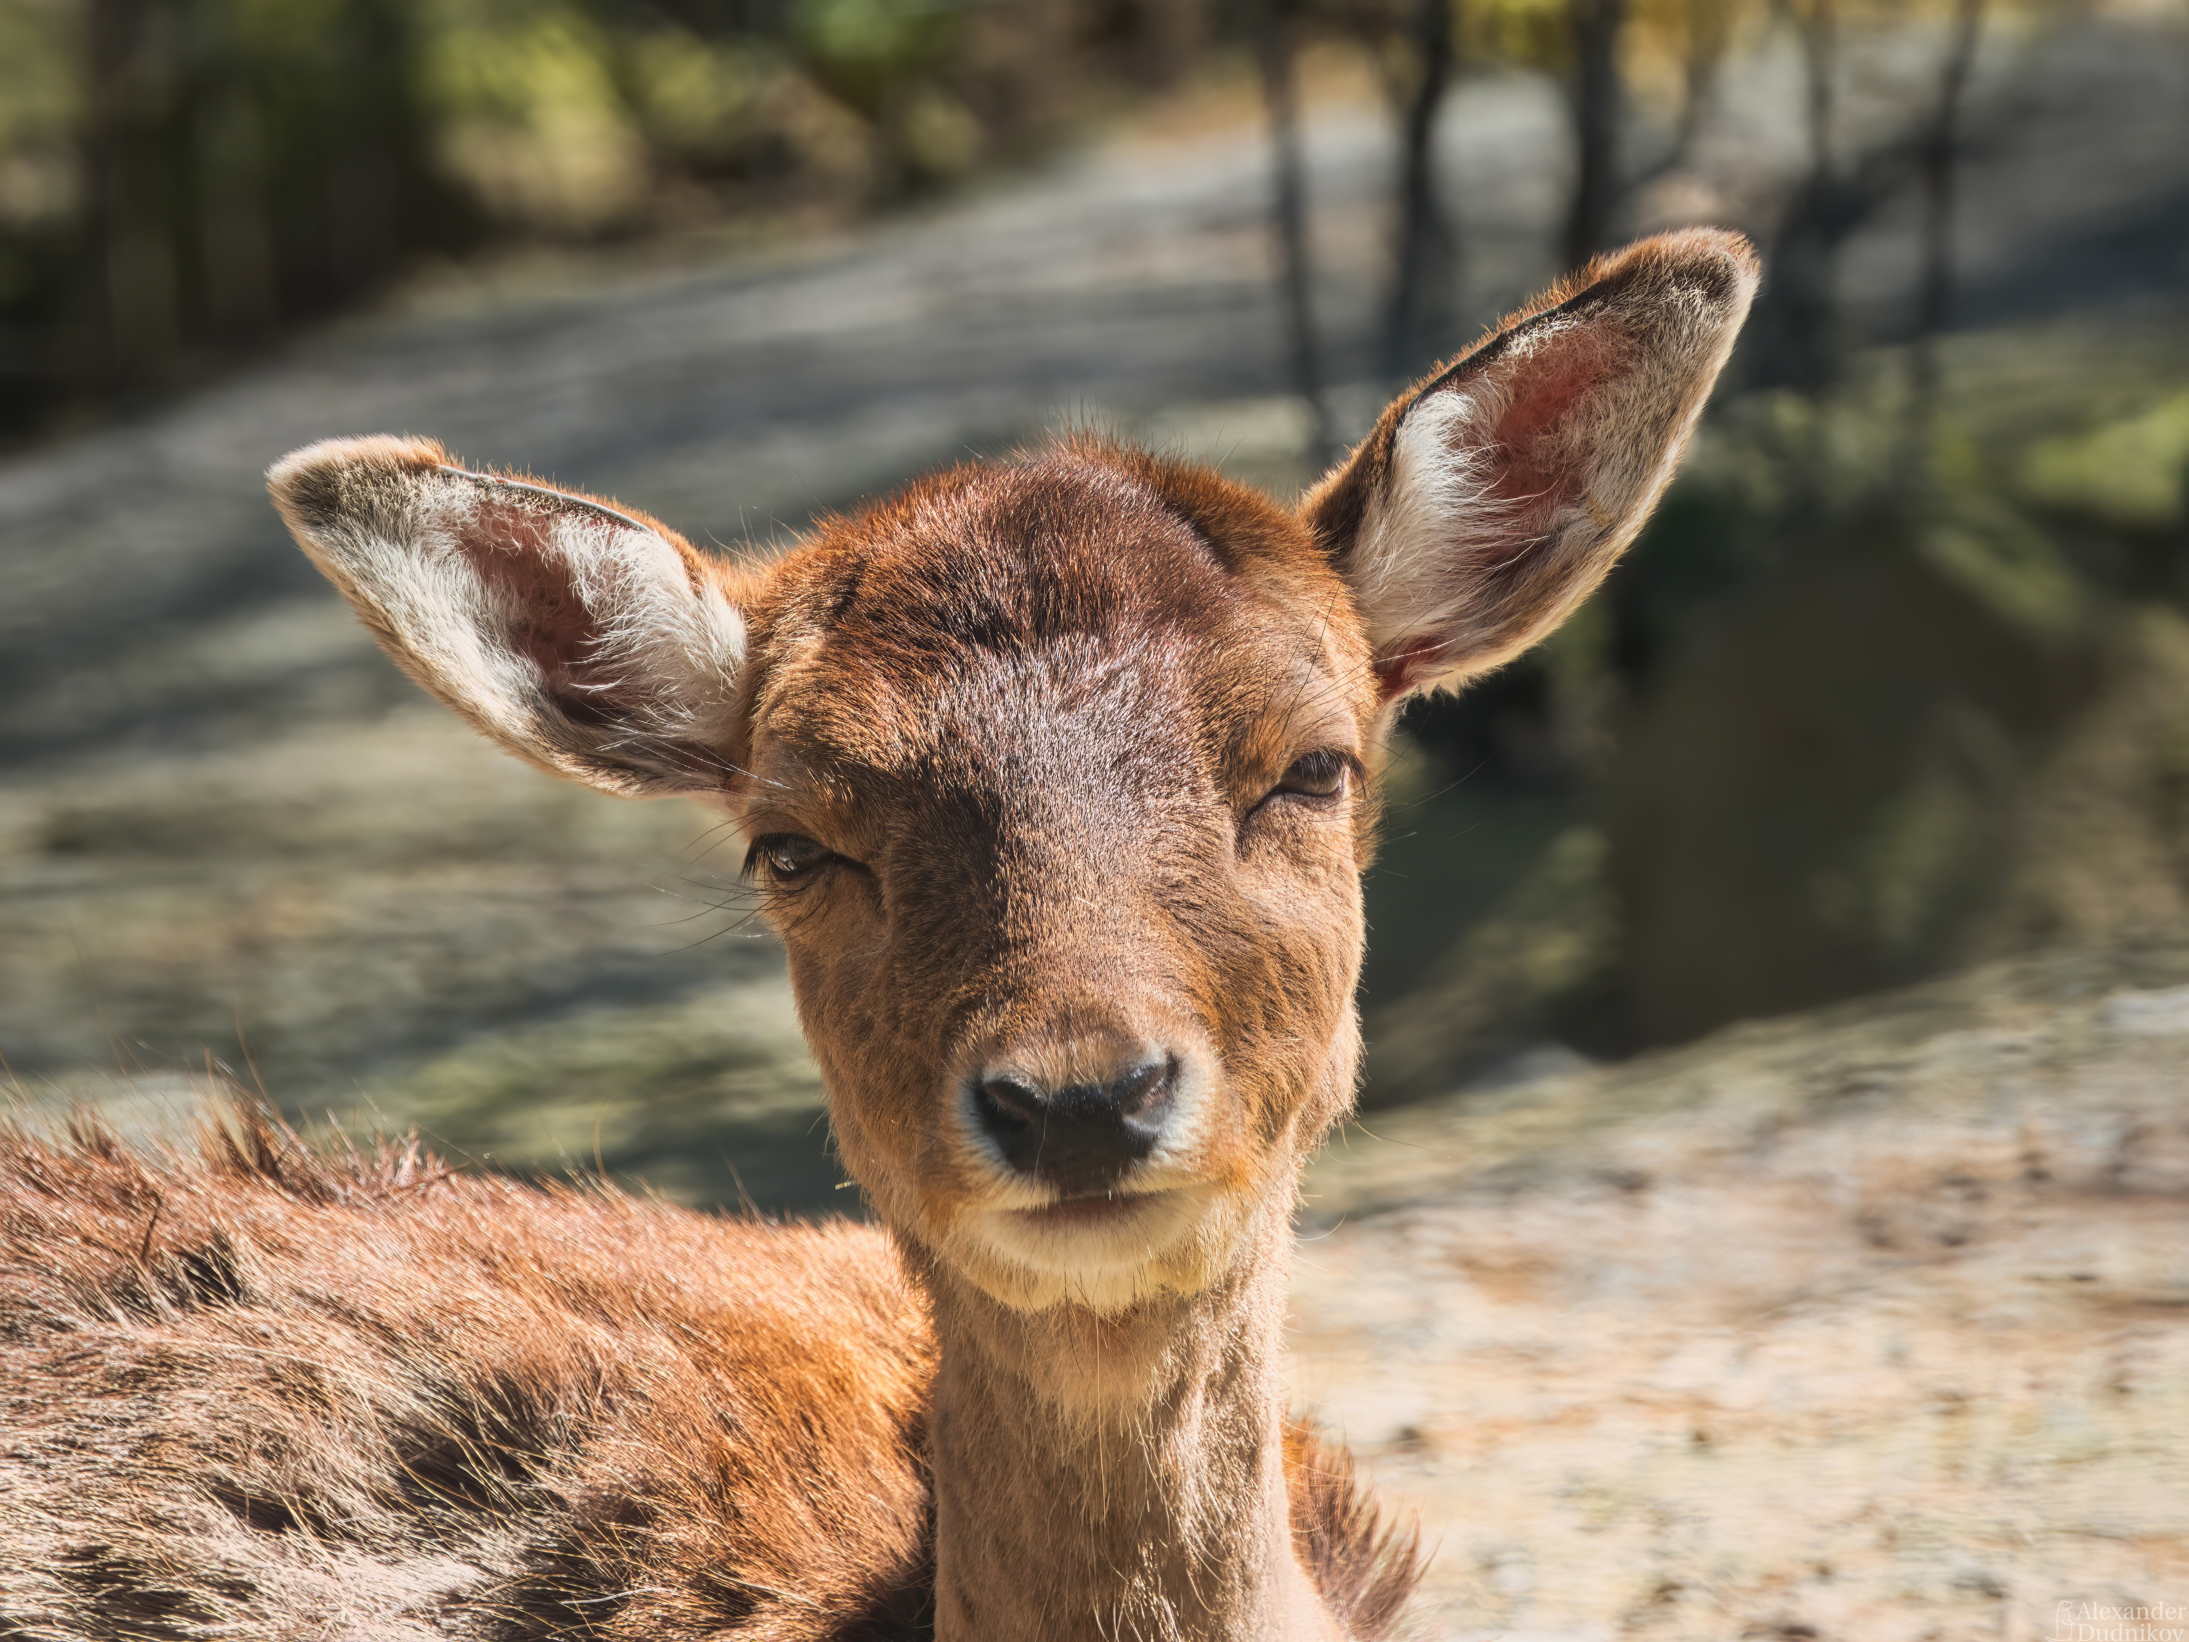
[{"x": 1171, "y": 1242}]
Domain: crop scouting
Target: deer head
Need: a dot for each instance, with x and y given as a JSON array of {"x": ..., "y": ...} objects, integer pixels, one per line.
[{"x": 1057, "y": 773}]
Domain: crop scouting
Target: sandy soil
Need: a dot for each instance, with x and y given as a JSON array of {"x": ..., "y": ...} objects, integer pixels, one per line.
[{"x": 1866, "y": 1325}]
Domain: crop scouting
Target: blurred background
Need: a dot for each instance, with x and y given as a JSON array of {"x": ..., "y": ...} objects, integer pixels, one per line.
[
  {"x": 1898, "y": 682},
  {"x": 1773, "y": 1167}
]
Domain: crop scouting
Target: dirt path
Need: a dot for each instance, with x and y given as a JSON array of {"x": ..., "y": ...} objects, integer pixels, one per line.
[
  {"x": 1864, "y": 1326},
  {"x": 219, "y": 807}
]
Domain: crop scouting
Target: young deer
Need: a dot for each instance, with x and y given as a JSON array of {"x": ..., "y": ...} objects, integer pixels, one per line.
[{"x": 1057, "y": 776}]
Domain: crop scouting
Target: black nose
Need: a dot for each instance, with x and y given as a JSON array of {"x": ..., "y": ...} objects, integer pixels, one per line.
[{"x": 1082, "y": 1137}]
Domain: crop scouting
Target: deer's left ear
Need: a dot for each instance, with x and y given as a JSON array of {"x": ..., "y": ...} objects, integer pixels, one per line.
[
  {"x": 593, "y": 642},
  {"x": 1490, "y": 502}
]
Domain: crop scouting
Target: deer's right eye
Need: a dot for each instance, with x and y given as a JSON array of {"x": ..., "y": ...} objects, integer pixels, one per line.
[
  {"x": 1321, "y": 774},
  {"x": 785, "y": 856}
]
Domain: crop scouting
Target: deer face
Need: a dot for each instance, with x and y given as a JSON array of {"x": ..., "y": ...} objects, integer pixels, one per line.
[
  {"x": 1055, "y": 786},
  {"x": 1055, "y": 772}
]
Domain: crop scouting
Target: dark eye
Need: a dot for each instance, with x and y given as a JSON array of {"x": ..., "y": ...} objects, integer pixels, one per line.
[
  {"x": 1321, "y": 774},
  {"x": 785, "y": 856}
]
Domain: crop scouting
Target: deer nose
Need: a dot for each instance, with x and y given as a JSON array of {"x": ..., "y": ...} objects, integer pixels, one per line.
[{"x": 1081, "y": 1137}]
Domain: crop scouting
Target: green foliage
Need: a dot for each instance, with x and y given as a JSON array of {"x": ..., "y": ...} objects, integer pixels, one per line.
[
  {"x": 179, "y": 176},
  {"x": 1888, "y": 688},
  {"x": 693, "y": 96},
  {"x": 41, "y": 183},
  {"x": 1517, "y": 33},
  {"x": 40, "y": 105},
  {"x": 2133, "y": 471},
  {"x": 529, "y": 114},
  {"x": 865, "y": 46},
  {"x": 1919, "y": 724}
]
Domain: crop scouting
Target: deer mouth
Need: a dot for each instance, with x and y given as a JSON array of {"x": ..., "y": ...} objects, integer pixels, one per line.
[
  {"x": 1116, "y": 1231},
  {"x": 1097, "y": 1209}
]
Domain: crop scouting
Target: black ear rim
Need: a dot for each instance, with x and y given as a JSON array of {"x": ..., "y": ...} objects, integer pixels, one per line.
[
  {"x": 562, "y": 499},
  {"x": 1718, "y": 264},
  {"x": 1488, "y": 350},
  {"x": 1606, "y": 280}
]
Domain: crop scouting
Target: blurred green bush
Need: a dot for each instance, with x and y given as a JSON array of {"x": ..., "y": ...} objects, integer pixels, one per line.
[
  {"x": 1875, "y": 698},
  {"x": 178, "y": 178}
]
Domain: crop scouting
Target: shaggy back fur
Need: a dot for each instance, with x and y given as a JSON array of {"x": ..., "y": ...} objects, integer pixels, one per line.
[{"x": 258, "y": 1391}]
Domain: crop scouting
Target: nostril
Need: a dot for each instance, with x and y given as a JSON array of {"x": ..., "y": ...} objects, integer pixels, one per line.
[
  {"x": 1145, "y": 1091},
  {"x": 1008, "y": 1103}
]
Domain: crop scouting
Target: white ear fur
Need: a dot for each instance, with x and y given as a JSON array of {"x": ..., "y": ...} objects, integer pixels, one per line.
[
  {"x": 577, "y": 636},
  {"x": 1491, "y": 502},
  {"x": 1437, "y": 510}
]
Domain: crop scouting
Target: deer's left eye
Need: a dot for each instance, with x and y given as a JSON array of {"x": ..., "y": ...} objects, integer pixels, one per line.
[
  {"x": 786, "y": 856},
  {"x": 1320, "y": 774}
]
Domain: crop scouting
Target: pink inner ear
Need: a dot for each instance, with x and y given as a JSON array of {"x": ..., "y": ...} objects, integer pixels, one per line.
[
  {"x": 1538, "y": 465},
  {"x": 1405, "y": 665},
  {"x": 548, "y": 624}
]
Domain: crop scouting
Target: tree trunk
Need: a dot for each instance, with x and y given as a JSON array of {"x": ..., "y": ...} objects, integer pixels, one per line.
[
  {"x": 1934, "y": 291},
  {"x": 1710, "y": 33},
  {"x": 1424, "y": 259},
  {"x": 1288, "y": 214},
  {"x": 1597, "y": 110},
  {"x": 1794, "y": 342},
  {"x": 131, "y": 296}
]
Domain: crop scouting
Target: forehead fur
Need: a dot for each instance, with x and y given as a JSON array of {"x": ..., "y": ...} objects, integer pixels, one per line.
[{"x": 1085, "y": 548}]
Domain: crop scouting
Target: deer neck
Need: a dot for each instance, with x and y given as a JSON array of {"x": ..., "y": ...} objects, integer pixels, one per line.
[{"x": 1106, "y": 1475}]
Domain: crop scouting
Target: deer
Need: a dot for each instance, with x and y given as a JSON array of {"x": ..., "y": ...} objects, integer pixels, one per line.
[{"x": 1058, "y": 777}]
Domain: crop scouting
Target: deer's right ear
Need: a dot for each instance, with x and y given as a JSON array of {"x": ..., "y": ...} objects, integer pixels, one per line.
[
  {"x": 593, "y": 643},
  {"x": 1490, "y": 501}
]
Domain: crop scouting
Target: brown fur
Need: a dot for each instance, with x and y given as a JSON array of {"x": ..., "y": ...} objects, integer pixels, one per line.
[
  {"x": 1063, "y": 765},
  {"x": 260, "y": 1390}
]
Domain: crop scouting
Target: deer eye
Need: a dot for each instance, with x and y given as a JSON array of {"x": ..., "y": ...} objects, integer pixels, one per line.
[
  {"x": 785, "y": 856},
  {"x": 1320, "y": 774}
]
